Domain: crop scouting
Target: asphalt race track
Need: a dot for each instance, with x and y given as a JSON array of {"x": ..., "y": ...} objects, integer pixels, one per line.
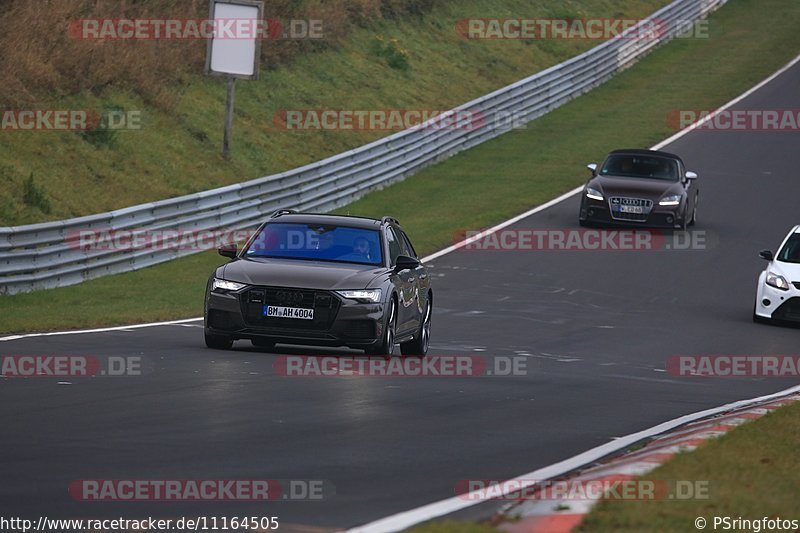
[{"x": 596, "y": 329}]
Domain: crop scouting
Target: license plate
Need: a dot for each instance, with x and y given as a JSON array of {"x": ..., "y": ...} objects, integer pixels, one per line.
[
  {"x": 288, "y": 312},
  {"x": 635, "y": 209}
]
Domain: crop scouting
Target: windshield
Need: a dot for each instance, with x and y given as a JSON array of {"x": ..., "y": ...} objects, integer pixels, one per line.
[
  {"x": 790, "y": 253},
  {"x": 318, "y": 242},
  {"x": 637, "y": 166}
]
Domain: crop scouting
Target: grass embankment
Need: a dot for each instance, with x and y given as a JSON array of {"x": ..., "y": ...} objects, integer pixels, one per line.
[
  {"x": 752, "y": 472},
  {"x": 374, "y": 54},
  {"x": 491, "y": 182},
  {"x": 453, "y": 526}
]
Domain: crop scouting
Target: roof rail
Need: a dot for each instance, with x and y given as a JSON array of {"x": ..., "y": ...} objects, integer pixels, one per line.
[
  {"x": 280, "y": 212},
  {"x": 384, "y": 220}
]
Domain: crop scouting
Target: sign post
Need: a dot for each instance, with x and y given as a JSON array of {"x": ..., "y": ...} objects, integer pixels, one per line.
[
  {"x": 226, "y": 139},
  {"x": 234, "y": 49}
]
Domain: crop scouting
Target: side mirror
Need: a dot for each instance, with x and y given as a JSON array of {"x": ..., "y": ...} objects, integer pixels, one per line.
[
  {"x": 406, "y": 263},
  {"x": 766, "y": 254},
  {"x": 227, "y": 250},
  {"x": 691, "y": 175},
  {"x": 593, "y": 168}
]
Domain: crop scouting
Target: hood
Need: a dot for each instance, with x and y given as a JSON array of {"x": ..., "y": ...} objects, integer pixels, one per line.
[
  {"x": 651, "y": 189},
  {"x": 300, "y": 274},
  {"x": 790, "y": 271}
]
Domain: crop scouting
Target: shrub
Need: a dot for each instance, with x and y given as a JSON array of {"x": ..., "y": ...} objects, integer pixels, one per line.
[
  {"x": 34, "y": 196},
  {"x": 395, "y": 55}
]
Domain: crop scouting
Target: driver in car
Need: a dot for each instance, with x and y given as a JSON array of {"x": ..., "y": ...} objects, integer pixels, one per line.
[{"x": 361, "y": 251}]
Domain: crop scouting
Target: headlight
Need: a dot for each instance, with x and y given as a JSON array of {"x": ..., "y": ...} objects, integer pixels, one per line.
[
  {"x": 777, "y": 281},
  {"x": 671, "y": 200},
  {"x": 594, "y": 194},
  {"x": 224, "y": 285},
  {"x": 365, "y": 295}
]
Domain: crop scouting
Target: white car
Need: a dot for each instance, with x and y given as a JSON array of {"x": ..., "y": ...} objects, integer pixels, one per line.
[{"x": 778, "y": 294}]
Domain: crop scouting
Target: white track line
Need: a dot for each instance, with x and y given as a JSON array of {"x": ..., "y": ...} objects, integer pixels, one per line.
[
  {"x": 99, "y": 330},
  {"x": 733, "y": 102},
  {"x": 464, "y": 242},
  {"x": 407, "y": 519}
]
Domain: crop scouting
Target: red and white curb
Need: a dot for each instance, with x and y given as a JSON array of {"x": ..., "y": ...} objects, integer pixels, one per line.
[{"x": 551, "y": 515}]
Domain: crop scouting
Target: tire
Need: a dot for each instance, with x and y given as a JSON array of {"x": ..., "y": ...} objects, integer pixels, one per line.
[
  {"x": 685, "y": 222},
  {"x": 263, "y": 343},
  {"x": 218, "y": 342},
  {"x": 693, "y": 221},
  {"x": 386, "y": 345},
  {"x": 419, "y": 344}
]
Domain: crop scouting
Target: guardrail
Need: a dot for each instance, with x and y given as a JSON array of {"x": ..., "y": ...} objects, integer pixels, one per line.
[{"x": 38, "y": 256}]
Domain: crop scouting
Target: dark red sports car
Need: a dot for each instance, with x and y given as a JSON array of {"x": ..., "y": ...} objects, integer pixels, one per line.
[{"x": 640, "y": 187}]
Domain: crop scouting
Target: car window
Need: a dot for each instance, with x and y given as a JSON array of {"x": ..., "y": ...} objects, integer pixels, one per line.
[
  {"x": 790, "y": 253},
  {"x": 408, "y": 248},
  {"x": 637, "y": 166},
  {"x": 317, "y": 242},
  {"x": 395, "y": 248}
]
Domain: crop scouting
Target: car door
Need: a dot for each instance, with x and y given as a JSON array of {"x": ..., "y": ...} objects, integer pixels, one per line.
[
  {"x": 404, "y": 280},
  {"x": 421, "y": 282}
]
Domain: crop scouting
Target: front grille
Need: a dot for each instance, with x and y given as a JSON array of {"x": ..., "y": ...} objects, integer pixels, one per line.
[
  {"x": 324, "y": 304},
  {"x": 788, "y": 310},
  {"x": 796, "y": 284},
  {"x": 646, "y": 205}
]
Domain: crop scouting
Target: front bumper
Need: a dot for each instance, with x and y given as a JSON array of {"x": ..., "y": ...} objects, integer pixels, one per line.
[
  {"x": 599, "y": 212},
  {"x": 337, "y": 321},
  {"x": 777, "y": 305}
]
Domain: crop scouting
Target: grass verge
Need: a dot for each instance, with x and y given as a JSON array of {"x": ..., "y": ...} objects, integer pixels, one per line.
[
  {"x": 176, "y": 149},
  {"x": 489, "y": 183},
  {"x": 752, "y": 472},
  {"x": 453, "y": 526}
]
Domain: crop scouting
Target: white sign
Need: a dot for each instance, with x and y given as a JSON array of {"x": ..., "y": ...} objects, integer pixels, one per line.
[{"x": 236, "y": 45}]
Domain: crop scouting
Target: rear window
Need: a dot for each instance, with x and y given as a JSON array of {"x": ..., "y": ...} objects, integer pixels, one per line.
[{"x": 318, "y": 242}]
